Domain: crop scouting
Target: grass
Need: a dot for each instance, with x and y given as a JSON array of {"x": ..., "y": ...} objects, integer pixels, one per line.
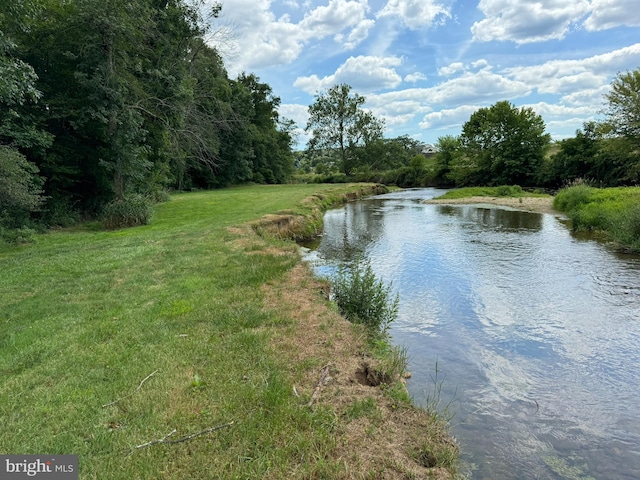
[
  {"x": 613, "y": 211},
  {"x": 501, "y": 191},
  {"x": 112, "y": 339}
]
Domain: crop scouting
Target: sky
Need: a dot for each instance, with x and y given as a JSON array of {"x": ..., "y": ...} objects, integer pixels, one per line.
[{"x": 424, "y": 66}]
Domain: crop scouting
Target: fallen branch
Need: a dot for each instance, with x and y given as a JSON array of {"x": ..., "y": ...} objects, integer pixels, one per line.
[
  {"x": 184, "y": 439},
  {"x": 154, "y": 442},
  {"x": 132, "y": 393},
  {"x": 322, "y": 381}
]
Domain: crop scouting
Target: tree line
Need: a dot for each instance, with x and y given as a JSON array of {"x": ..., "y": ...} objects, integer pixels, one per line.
[
  {"x": 498, "y": 145},
  {"x": 104, "y": 99}
]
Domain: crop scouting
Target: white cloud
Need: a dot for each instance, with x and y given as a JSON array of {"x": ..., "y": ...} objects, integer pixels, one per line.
[
  {"x": 481, "y": 63},
  {"x": 451, "y": 69},
  {"x": 359, "y": 33},
  {"x": 415, "y": 14},
  {"x": 415, "y": 77},
  {"x": 335, "y": 17},
  {"x": 607, "y": 14},
  {"x": 448, "y": 118},
  {"x": 525, "y": 21},
  {"x": 265, "y": 41},
  {"x": 483, "y": 86},
  {"x": 566, "y": 76},
  {"x": 294, "y": 111},
  {"x": 363, "y": 73}
]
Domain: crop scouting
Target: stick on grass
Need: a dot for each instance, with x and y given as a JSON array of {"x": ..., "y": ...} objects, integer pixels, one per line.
[
  {"x": 184, "y": 439},
  {"x": 132, "y": 393}
]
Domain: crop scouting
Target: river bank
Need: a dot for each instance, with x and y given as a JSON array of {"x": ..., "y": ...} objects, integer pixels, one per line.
[{"x": 529, "y": 204}]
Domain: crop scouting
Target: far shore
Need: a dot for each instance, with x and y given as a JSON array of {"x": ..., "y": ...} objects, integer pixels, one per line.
[{"x": 529, "y": 204}]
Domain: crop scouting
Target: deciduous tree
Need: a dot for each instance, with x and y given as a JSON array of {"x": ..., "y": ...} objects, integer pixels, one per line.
[
  {"x": 338, "y": 121},
  {"x": 507, "y": 144}
]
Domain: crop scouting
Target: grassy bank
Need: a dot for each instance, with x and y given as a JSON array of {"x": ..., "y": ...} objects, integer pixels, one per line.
[
  {"x": 110, "y": 341},
  {"x": 613, "y": 212}
]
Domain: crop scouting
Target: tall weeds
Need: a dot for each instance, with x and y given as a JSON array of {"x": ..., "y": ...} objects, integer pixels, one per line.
[
  {"x": 613, "y": 211},
  {"x": 362, "y": 298}
]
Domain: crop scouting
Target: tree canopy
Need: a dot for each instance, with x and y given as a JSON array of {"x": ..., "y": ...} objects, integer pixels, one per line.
[
  {"x": 507, "y": 144},
  {"x": 107, "y": 98},
  {"x": 338, "y": 122}
]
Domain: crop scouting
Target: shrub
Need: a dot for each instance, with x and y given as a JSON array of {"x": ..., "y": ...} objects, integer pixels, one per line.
[
  {"x": 570, "y": 198},
  {"x": 129, "y": 211},
  {"x": 362, "y": 298},
  {"x": 16, "y": 236}
]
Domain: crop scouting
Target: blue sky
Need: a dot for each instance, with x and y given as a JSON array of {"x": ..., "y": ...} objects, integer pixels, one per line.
[{"x": 424, "y": 66}]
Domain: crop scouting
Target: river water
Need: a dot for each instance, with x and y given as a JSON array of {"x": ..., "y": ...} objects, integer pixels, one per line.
[{"x": 526, "y": 334}]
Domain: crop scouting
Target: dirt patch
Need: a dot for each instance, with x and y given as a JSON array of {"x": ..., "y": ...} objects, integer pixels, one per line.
[
  {"x": 529, "y": 204},
  {"x": 330, "y": 368}
]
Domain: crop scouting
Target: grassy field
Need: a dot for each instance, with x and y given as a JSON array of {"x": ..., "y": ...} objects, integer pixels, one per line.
[{"x": 110, "y": 340}]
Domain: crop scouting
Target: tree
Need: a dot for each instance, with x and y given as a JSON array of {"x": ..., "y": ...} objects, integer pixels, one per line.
[
  {"x": 574, "y": 159},
  {"x": 20, "y": 188},
  {"x": 623, "y": 124},
  {"x": 20, "y": 185},
  {"x": 623, "y": 109},
  {"x": 506, "y": 144},
  {"x": 448, "y": 168},
  {"x": 338, "y": 122}
]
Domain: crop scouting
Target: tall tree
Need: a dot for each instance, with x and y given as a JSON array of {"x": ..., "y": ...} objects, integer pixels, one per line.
[
  {"x": 623, "y": 124},
  {"x": 507, "y": 144},
  {"x": 20, "y": 184},
  {"x": 337, "y": 121}
]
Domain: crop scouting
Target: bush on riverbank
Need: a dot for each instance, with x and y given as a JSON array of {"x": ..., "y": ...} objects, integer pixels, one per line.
[
  {"x": 363, "y": 298},
  {"x": 613, "y": 211}
]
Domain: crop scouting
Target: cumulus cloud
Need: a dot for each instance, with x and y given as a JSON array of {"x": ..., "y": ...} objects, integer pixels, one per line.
[
  {"x": 363, "y": 73},
  {"x": 359, "y": 33},
  {"x": 415, "y": 14},
  {"x": 566, "y": 76},
  {"x": 294, "y": 111},
  {"x": 265, "y": 40},
  {"x": 607, "y": 14},
  {"x": 451, "y": 69},
  {"x": 448, "y": 118},
  {"x": 524, "y": 21},
  {"x": 415, "y": 77}
]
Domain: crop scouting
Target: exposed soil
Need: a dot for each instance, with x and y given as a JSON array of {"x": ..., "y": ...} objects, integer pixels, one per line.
[
  {"x": 331, "y": 368},
  {"x": 529, "y": 204}
]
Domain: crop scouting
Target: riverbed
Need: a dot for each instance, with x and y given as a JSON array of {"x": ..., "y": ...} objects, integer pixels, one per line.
[{"x": 525, "y": 335}]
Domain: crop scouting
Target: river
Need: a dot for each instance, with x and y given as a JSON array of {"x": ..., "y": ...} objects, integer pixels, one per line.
[{"x": 526, "y": 334}]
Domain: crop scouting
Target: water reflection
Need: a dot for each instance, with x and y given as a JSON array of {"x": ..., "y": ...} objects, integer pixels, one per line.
[{"x": 536, "y": 331}]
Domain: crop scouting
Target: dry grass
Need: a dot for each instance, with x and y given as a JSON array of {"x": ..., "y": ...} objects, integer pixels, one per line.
[{"x": 390, "y": 438}]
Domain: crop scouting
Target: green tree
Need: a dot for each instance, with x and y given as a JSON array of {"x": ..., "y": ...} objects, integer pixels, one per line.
[
  {"x": 575, "y": 159},
  {"x": 20, "y": 188},
  {"x": 623, "y": 124},
  {"x": 20, "y": 184},
  {"x": 448, "y": 168},
  {"x": 270, "y": 140},
  {"x": 506, "y": 144},
  {"x": 338, "y": 122}
]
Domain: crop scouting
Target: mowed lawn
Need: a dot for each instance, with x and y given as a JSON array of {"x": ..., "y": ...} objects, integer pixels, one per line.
[{"x": 113, "y": 339}]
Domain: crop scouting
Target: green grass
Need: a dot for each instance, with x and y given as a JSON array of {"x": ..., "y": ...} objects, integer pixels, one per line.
[
  {"x": 86, "y": 315},
  {"x": 501, "y": 191},
  {"x": 612, "y": 211}
]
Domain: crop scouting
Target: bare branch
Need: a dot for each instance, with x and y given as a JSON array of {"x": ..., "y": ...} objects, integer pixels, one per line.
[{"x": 132, "y": 393}]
